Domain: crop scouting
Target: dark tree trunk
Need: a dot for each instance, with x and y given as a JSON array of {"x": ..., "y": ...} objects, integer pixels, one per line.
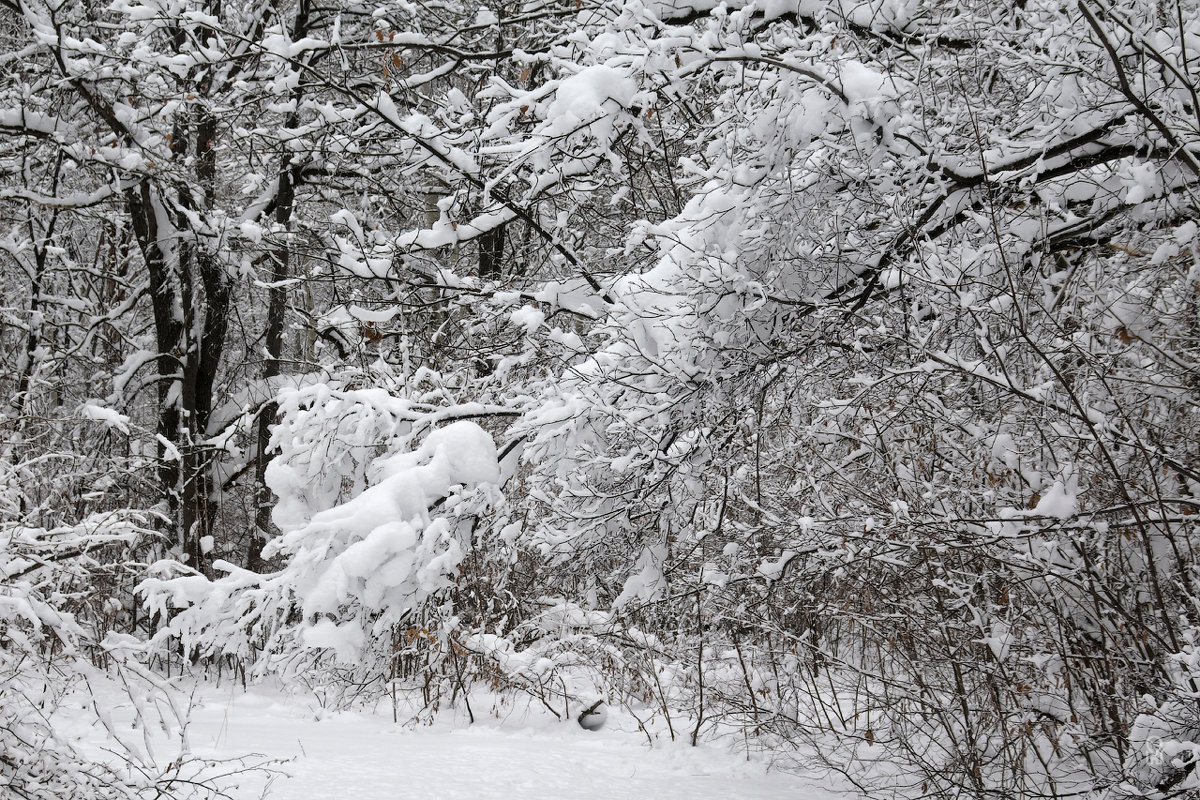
[
  {"x": 190, "y": 295},
  {"x": 289, "y": 176},
  {"x": 491, "y": 254}
]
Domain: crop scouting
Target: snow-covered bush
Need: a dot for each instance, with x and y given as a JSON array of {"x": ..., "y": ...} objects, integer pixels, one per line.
[
  {"x": 57, "y": 656},
  {"x": 1165, "y": 738},
  {"x": 378, "y": 509},
  {"x": 896, "y": 465}
]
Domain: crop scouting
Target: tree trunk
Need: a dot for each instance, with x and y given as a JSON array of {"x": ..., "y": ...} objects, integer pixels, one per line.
[{"x": 285, "y": 197}]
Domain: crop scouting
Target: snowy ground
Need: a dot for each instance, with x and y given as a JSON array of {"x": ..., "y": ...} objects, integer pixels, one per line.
[{"x": 361, "y": 756}]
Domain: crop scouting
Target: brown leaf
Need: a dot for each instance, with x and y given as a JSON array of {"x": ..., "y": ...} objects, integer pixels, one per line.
[{"x": 370, "y": 333}]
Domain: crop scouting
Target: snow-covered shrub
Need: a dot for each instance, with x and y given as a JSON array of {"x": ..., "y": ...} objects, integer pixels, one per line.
[
  {"x": 378, "y": 509},
  {"x": 562, "y": 653},
  {"x": 899, "y": 469},
  {"x": 1166, "y": 737},
  {"x": 56, "y": 654}
]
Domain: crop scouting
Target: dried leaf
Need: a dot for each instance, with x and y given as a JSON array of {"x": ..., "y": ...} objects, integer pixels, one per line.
[{"x": 370, "y": 333}]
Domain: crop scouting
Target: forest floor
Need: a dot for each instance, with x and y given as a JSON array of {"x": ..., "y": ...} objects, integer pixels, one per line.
[{"x": 364, "y": 756}]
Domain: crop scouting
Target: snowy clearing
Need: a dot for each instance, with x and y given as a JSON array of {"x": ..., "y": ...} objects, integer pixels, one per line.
[{"x": 365, "y": 756}]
